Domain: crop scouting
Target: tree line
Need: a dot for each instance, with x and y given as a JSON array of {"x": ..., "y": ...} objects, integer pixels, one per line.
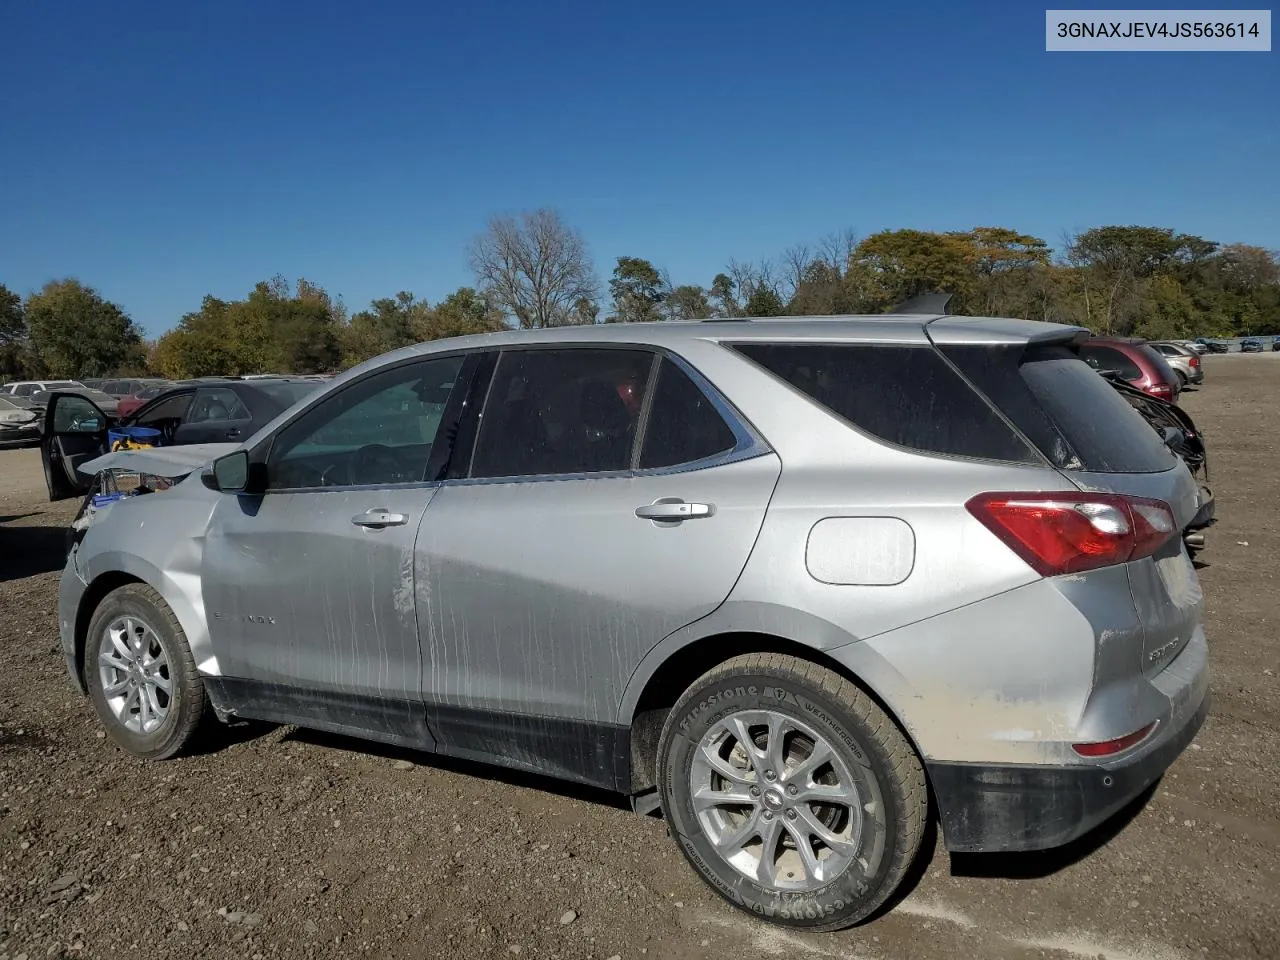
[{"x": 535, "y": 270}]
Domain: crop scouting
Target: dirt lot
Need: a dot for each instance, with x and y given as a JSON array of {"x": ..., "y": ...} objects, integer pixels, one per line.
[{"x": 282, "y": 843}]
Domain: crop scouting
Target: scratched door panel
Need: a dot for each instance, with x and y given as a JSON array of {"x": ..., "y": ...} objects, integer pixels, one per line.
[
  {"x": 337, "y": 597},
  {"x": 539, "y": 598}
]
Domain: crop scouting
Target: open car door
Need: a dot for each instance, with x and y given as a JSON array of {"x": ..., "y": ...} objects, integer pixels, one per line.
[{"x": 75, "y": 431}]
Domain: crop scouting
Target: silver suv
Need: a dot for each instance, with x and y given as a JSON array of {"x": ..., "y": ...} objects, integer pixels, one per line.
[{"x": 784, "y": 579}]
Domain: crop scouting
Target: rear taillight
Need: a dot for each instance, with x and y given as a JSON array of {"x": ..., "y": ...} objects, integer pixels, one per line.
[
  {"x": 1057, "y": 533},
  {"x": 1194, "y": 361},
  {"x": 1160, "y": 390}
]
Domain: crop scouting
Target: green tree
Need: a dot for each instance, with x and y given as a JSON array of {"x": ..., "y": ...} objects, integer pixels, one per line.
[
  {"x": 688, "y": 302},
  {"x": 273, "y": 330},
  {"x": 13, "y": 319},
  {"x": 724, "y": 295},
  {"x": 895, "y": 265},
  {"x": 462, "y": 313},
  {"x": 637, "y": 290},
  {"x": 77, "y": 333},
  {"x": 765, "y": 302}
]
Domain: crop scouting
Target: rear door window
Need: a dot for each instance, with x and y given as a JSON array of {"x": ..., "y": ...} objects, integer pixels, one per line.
[
  {"x": 561, "y": 411},
  {"x": 217, "y": 404},
  {"x": 684, "y": 426},
  {"x": 906, "y": 395}
]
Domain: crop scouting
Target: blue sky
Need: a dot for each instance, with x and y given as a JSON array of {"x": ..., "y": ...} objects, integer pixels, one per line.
[{"x": 161, "y": 151}]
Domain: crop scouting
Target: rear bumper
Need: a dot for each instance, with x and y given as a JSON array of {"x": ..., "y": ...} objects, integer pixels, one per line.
[
  {"x": 1205, "y": 515},
  {"x": 991, "y": 808}
]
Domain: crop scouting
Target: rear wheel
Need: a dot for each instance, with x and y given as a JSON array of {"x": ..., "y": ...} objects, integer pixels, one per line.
[
  {"x": 1182, "y": 379},
  {"x": 791, "y": 792},
  {"x": 140, "y": 673}
]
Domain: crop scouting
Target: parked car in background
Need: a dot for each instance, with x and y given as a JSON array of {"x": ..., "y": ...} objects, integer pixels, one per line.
[
  {"x": 1275, "y": 344},
  {"x": 133, "y": 402},
  {"x": 25, "y": 388},
  {"x": 1135, "y": 362},
  {"x": 1195, "y": 346},
  {"x": 105, "y": 402},
  {"x": 1250, "y": 345},
  {"x": 129, "y": 386},
  {"x": 19, "y": 421},
  {"x": 1184, "y": 361},
  {"x": 576, "y": 551},
  {"x": 1213, "y": 346},
  {"x": 76, "y": 426}
]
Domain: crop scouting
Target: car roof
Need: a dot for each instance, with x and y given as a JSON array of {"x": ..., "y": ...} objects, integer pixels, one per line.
[{"x": 873, "y": 328}]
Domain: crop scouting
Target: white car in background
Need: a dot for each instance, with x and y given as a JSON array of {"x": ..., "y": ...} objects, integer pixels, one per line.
[{"x": 27, "y": 388}]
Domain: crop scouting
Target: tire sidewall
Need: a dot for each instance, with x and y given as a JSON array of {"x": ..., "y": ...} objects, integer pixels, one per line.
[
  {"x": 159, "y": 742},
  {"x": 847, "y": 898}
]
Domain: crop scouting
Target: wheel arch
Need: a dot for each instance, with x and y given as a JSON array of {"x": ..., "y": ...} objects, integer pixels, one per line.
[
  {"x": 92, "y": 598},
  {"x": 651, "y": 700},
  {"x": 175, "y": 584}
]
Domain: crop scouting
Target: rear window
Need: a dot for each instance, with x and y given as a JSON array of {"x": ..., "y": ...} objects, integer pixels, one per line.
[
  {"x": 1073, "y": 416},
  {"x": 905, "y": 395}
]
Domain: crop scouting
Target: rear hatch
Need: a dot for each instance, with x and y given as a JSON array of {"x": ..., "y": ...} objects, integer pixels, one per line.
[{"x": 1095, "y": 438}]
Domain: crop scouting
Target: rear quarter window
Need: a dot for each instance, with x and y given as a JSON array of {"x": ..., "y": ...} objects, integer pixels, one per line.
[
  {"x": 1073, "y": 416},
  {"x": 906, "y": 395}
]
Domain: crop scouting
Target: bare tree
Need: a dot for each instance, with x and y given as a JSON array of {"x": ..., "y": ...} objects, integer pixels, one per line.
[
  {"x": 535, "y": 268},
  {"x": 836, "y": 248},
  {"x": 748, "y": 278},
  {"x": 795, "y": 264}
]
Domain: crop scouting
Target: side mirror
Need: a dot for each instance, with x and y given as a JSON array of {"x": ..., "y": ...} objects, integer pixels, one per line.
[
  {"x": 229, "y": 474},
  {"x": 1173, "y": 437}
]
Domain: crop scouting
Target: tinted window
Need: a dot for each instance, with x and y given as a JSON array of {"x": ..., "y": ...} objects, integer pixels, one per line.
[
  {"x": 683, "y": 424},
  {"x": 169, "y": 408},
  {"x": 561, "y": 411},
  {"x": 1073, "y": 416},
  {"x": 219, "y": 404},
  {"x": 377, "y": 430},
  {"x": 903, "y": 394},
  {"x": 1110, "y": 360},
  {"x": 75, "y": 414}
]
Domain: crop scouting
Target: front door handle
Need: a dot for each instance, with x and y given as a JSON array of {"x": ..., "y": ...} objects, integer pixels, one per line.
[
  {"x": 378, "y": 518},
  {"x": 674, "y": 510},
  {"x": 233, "y": 432}
]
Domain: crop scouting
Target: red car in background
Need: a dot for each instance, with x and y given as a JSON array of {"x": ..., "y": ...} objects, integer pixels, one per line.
[{"x": 1134, "y": 361}]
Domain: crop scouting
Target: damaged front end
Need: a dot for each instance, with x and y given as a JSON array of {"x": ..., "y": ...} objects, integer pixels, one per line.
[
  {"x": 1180, "y": 435},
  {"x": 136, "y": 472}
]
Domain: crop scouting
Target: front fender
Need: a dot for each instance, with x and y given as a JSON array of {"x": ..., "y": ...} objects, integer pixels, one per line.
[{"x": 159, "y": 539}]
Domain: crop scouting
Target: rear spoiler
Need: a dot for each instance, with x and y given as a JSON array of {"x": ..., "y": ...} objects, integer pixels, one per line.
[{"x": 950, "y": 329}]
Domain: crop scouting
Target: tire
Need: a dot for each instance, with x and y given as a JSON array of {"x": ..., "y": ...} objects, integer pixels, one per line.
[
  {"x": 165, "y": 724},
  {"x": 876, "y": 836},
  {"x": 1182, "y": 379}
]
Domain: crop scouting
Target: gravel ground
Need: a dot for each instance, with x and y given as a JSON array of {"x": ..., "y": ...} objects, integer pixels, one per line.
[{"x": 276, "y": 842}]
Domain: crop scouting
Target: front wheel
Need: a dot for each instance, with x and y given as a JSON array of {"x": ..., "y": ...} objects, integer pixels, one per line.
[
  {"x": 140, "y": 673},
  {"x": 791, "y": 792}
]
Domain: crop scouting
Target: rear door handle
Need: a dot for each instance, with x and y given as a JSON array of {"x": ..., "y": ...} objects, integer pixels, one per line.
[
  {"x": 379, "y": 518},
  {"x": 674, "y": 510}
]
